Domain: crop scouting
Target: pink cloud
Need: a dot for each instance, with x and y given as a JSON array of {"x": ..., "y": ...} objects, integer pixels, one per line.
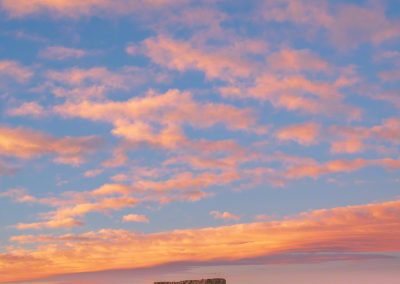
[
  {"x": 315, "y": 170},
  {"x": 12, "y": 70},
  {"x": 76, "y": 8},
  {"x": 33, "y": 109},
  {"x": 297, "y": 93},
  {"x": 102, "y": 75},
  {"x": 93, "y": 173},
  {"x": 391, "y": 75},
  {"x": 216, "y": 63},
  {"x": 353, "y": 139},
  {"x": 96, "y": 82},
  {"x": 392, "y": 97},
  {"x": 292, "y": 60},
  {"x": 347, "y": 25},
  {"x": 62, "y": 53},
  {"x": 305, "y": 134}
]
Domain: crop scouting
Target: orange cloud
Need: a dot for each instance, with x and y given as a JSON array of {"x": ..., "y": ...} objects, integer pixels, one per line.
[
  {"x": 64, "y": 216},
  {"x": 71, "y": 205},
  {"x": 188, "y": 180},
  {"x": 363, "y": 228},
  {"x": 135, "y": 218},
  {"x": 62, "y": 53},
  {"x": 26, "y": 143},
  {"x": 305, "y": 134},
  {"x": 51, "y": 224},
  {"x": 109, "y": 189},
  {"x": 104, "y": 204},
  {"x": 224, "y": 215}
]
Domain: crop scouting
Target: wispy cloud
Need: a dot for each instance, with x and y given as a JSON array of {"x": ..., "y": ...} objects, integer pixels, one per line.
[{"x": 62, "y": 53}]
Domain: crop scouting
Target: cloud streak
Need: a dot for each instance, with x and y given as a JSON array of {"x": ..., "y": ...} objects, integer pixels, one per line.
[
  {"x": 363, "y": 228},
  {"x": 25, "y": 143}
]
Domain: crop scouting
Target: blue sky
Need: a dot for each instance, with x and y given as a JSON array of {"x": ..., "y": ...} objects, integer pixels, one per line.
[{"x": 153, "y": 121}]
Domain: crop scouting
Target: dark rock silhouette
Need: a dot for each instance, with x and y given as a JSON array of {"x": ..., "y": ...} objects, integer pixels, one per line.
[{"x": 202, "y": 281}]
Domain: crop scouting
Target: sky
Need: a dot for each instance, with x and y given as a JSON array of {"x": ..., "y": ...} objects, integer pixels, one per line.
[{"x": 155, "y": 140}]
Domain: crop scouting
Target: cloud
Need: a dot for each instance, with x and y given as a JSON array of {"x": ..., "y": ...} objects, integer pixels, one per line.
[
  {"x": 112, "y": 203},
  {"x": 224, "y": 215},
  {"x": 113, "y": 188},
  {"x": 76, "y": 8},
  {"x": 91, "y": 82},
  {"x": 71, "y": 206},
  {"x": 51, "y": 224},
  {"x": 305, "y": 133},
  {"x": 391, "y": 96},
  {"x": 262, "y": 218},
  {"x": 315, "y": 170},
  {"x": 78, "y": 76},
  {"x": 295, "y": 92},
  {"x": 217, "y": 63},
  {"x": 61, "y": 52},
  {"x": 33, "y": 109},
  {"x": 279, "y": 168},
  {"x": 14, "y": 71},
  {"x": 347, "y": 25},
  {"x": 19, "y": 195},
  {"x": 391, "y": 75},
  {"x": 186, "y": 181},
  {"x": 25, "y": 143},
  {"x": 157, "y": 119},
  {"x": 65, "y": 216},
  {"x": 135, "y": 218},
  {"x": 6, "y": 169},
  {"x": 354, "y": 139},
  {"x": 292, "y": 60},
  {"x": 353, "y": 229},
  {"x": 77, "y": 84}
]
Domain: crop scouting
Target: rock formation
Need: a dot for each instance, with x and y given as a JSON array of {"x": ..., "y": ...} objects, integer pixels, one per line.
[{"x": 202, "y": 281}]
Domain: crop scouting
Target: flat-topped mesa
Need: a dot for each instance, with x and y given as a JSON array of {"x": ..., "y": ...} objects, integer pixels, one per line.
[{"x": 202, "y": 281}]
